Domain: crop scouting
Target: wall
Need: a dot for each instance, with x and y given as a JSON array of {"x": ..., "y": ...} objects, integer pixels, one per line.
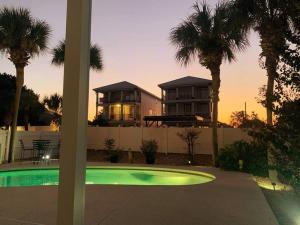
[
  {"x": 149, "y": 103},
  {"x": 168, "y": 141},
  {"x": 131, "y": 137}
]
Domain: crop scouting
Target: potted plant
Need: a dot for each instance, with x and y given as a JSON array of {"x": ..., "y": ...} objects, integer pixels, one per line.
[{"x": 149, "y": 149}]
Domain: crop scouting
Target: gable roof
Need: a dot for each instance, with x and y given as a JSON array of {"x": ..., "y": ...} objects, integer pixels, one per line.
[
  {"x": 186, "y": 81},
  {"x": 123, "y": 86}
]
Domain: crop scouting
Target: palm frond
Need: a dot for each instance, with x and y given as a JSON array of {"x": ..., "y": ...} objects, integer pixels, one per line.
[
  {"x": 58, "y": 54},
  {"x": 22, "y": 36},
  {"x": 96, "y": 62},
  {"x": 184, "y": 37}
]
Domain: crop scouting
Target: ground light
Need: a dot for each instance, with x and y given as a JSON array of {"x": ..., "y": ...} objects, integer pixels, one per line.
[{"x": 266, "y": 183}]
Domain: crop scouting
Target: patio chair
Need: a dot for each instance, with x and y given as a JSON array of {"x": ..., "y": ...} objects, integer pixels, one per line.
[
  {"x": 24, "y": 150},
  {"x": 41, "y": 150},
  {"x": 53, "y": 152}
]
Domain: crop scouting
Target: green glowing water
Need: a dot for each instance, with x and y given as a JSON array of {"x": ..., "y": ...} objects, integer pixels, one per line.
[{"x": 106, "y": 175}]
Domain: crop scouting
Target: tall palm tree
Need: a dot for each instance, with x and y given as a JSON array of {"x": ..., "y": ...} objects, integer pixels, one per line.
[
  {"x": 96, "y": 61},
  {"x": 21, "y": 38},
  {"x": 273, "y": 20},
  {"x": 212, "y": 37}
]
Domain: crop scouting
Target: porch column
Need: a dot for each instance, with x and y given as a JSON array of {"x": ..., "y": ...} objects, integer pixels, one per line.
[
  {"x": 193, "y": 108},
  {"x": 162, "y": 102},
  {"x": 97, "y": 100},
  {"x": 71, "y": 190}
]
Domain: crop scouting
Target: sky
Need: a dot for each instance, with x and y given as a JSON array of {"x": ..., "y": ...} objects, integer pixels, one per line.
[{"x": 134, "y": 38}]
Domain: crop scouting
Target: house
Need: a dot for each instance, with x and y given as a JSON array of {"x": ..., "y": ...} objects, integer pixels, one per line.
[
  {"x": 187, "y": 96},
  {"x": 125, "y": 103}
]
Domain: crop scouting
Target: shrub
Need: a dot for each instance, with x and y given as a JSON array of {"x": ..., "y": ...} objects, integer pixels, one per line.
[
  {"x": 229, "y": 158},
  {"x": 189, "y": 136},
  {"x": 149, "y": 149},
  {"x": 113, "y": 154},
  {"x": 253, "y": 154}
]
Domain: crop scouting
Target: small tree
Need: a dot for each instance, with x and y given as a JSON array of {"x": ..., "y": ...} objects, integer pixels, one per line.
[
  {"x": 109, "y": 144},
  {"x": 149, "y": 149},
  {"x": 189, "y": 136},
  {"x": 113, "y": 153}
]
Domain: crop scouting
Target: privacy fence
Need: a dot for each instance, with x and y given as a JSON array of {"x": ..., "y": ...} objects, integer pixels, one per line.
[{"x": 130, "y": 138}]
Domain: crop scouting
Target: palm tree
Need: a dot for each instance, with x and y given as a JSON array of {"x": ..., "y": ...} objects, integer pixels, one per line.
[
  {"x": 54, "y": 104},
  {"x": 21, "y": 38},
  {"x": 212, "y": 37},
  {"x": 96, "y": 62},
  {"x": 273, "y": 20}
]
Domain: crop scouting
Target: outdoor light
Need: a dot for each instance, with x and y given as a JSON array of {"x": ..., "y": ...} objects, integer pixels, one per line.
[
  {"x": 189, "y": 162},
  {"x": 273, "y": 184},
  {"x": 46, "y": 157}
]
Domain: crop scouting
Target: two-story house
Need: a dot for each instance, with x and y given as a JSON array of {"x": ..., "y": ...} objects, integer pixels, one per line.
[
  {"x": 125, "y": 103},
  {"x": 187, "y": 96}
]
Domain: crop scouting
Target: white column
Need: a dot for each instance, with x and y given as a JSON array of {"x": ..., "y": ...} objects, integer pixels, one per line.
[
  {"x": 71, "y": 190},
  {"x": 97, "y": 102}
]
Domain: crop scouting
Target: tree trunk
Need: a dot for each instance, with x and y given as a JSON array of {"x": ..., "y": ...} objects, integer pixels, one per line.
[
  {"x": 216, "y": 81},
  {"x": 19, "y": 85},
  {"x": 271, "y": 66}
]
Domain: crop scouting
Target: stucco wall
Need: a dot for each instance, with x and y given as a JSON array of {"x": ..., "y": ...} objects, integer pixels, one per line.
[
  {"x": 168, "y": 141},
  {"x": 149, "y": 103},
  {"x": 131, "y": 137}
]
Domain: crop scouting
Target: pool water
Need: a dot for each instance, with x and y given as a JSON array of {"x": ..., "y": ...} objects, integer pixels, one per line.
[{"x": 106, "y": 175}]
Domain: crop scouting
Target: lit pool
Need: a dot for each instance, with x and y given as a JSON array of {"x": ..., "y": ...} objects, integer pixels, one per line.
[{"x": 107, "y": 175}]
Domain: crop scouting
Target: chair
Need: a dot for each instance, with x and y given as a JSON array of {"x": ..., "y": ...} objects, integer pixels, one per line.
[
  {"x": 25, "y": 149},
  {"x": 40, "y": 150}
]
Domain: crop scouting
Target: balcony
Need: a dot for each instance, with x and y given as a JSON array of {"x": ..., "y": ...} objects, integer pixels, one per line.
[{"x": 126, "y": 99}]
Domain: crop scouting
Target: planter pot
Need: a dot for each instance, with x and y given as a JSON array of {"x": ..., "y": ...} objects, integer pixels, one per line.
[
  {"x": 114, "y": 159},
  {"x": 150, "y": 160}
]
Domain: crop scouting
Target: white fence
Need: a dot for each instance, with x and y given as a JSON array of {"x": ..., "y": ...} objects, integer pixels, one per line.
[
  {"x": 131, "y": 138},
  {"x": 3, "y": 144}
]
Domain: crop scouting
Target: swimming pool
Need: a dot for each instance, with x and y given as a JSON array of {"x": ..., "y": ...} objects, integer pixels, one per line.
[{"x": 107, "y": 176}]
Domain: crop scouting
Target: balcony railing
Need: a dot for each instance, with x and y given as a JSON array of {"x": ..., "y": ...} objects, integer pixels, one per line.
[
  {"x": 118, "y": 100},
  {"x": 126, "y": 117}
]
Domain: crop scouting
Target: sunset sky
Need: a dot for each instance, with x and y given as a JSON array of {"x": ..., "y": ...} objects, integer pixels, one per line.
[{"x": 134, "y": 37}]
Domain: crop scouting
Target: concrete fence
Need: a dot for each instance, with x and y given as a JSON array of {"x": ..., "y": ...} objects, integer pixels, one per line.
[{"x": 131, "y": 138}]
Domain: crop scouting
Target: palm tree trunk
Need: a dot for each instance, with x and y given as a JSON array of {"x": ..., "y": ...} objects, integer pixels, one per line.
[
  {"x": 19, "y": 85},
  {"x": 271, "y": 66},
  {"x": 216, "y": 81}
]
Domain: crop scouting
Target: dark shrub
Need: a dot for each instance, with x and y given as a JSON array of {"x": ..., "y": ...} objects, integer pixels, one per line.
[
  {"x": 254, "y": 156},
  {"x": 149, "y": 149},
  {"x": 229, "y": 157}
]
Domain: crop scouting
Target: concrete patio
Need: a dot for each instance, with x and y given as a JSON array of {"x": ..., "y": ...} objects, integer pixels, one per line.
[{"x": 232, "y": 199}]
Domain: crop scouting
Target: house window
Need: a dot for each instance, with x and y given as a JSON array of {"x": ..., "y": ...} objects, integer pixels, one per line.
[
  {"x": 128, "y": 112},
  {"x": 115, "y": 112}
]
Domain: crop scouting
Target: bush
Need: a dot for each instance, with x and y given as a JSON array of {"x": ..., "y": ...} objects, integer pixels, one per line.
[
  {"x": 229, "y": 158},
  {"x": 149, "y": 149},
  {"x": 254, "y": 156},
  {"x": 189, "y": 136},
  {"x": 113, "y": 154}
]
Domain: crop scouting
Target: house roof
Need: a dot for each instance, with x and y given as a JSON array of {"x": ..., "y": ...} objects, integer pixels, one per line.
[
  {"x": 123, "y": 86},
  {"x": 186, "y": 81}
]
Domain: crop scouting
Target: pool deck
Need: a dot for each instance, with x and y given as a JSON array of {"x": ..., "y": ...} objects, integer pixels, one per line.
[{"x": 232, "y": 199}]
